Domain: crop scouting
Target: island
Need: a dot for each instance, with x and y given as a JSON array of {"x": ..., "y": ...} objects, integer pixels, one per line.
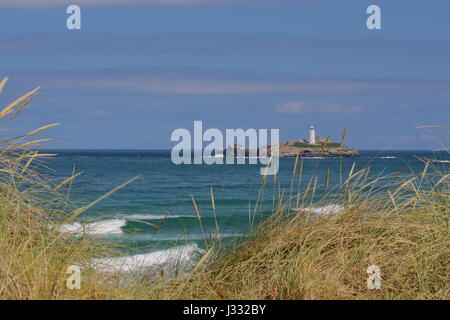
[{"x": 315, "y": 147}]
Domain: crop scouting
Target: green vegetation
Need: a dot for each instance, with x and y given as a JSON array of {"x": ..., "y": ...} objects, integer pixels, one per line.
[
  {"x": 295, "y": 254},
  {"x": 317, "y": 146}
]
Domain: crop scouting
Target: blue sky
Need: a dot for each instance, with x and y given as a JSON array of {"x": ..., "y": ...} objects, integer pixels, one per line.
[{"x": 139, "y": 69}]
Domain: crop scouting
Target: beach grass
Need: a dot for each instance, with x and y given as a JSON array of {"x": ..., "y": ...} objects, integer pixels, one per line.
[
  {"x": 308, "y": 254},
  {"x": 399, "y": 224}
]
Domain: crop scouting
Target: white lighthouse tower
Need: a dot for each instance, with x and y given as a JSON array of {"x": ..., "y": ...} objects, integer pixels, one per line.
[{"x": 312, "y": 135}]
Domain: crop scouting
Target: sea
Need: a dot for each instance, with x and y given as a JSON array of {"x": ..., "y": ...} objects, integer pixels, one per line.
[{"x": 169, "y": 211}]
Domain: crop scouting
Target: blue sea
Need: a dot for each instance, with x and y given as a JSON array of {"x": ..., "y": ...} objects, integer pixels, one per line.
[{"x": 162, "y": 196}]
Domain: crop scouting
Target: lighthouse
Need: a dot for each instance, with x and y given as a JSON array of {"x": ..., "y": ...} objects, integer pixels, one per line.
[{"x": 312, "y": 135}]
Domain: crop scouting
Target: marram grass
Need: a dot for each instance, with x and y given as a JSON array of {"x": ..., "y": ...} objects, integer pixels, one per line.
[{"x": 295, "y": 254}]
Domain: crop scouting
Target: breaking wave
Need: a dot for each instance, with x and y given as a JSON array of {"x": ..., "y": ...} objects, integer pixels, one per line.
[
  {"x": 154, "y": 216},
  {"x": 112, "y": 226},
  {"x": 180, "y": 256}
]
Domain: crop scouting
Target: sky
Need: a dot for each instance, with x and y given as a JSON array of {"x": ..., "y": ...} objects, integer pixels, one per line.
[{"x": 139, "y": 69}]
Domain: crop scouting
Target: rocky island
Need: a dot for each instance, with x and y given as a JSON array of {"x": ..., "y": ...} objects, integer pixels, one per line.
[
  {"x": 294, "y": 147},
  {"x": 315, "y": 147}
]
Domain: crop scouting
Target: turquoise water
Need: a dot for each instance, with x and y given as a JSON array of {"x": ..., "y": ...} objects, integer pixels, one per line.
[{"x": 165, "y": 189}]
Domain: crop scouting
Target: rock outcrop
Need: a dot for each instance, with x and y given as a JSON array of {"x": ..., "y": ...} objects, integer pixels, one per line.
[
  {"x": 292, "y": 148},
  {"x": 239, "y": 151}
]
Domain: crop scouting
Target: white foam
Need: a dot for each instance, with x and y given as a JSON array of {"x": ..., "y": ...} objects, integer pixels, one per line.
[
  {"x": 181, "y": 237},
  {"x": 112, "y": 226},
  {"x": 329, "y": 209},
  {"x": 153, "y": 216},
  {"x": 180, "y": 255},
  {"x": 388, "y": 157}
]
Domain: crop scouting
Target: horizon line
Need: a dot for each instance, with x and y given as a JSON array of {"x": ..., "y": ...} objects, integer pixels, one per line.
[{"x": 160, "y": 149}]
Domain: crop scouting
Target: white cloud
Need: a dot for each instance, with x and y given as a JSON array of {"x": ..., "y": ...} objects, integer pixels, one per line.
[
  {"x": 295, "y": 107},
  {"x": 205, "y": 84},
  {"x": 205, "y": 81},
  {"x": 221, "y": 86}
]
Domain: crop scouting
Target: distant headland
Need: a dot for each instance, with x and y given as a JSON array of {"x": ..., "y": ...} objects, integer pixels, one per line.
[{"x": 314, "y": 147}]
